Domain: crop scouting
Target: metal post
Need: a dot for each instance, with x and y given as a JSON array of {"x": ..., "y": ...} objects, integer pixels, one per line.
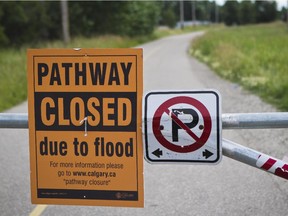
[
  {"x": 230, "y": 149},
  {"x": 255, "y": 158},
  {"x": 229, "y": 120},
  {"x": 255, "y": 120},
  {"x": 13, "y": 120}
]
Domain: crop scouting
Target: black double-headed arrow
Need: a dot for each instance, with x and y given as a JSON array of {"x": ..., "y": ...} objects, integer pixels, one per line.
[{"x": 158, "y": 153}]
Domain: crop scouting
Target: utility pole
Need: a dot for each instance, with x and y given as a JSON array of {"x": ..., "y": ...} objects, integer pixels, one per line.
[
  {"x": 65, "y": 21},
  {"x": 181, "y": 14},
  {"x": 217, "y": 13},
  {"x": 287, "y": 13},
  {"x": 194, "y": 12}
]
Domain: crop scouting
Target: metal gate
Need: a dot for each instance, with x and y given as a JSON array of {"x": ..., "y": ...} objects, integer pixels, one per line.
[{"x": 230, "y": 149}]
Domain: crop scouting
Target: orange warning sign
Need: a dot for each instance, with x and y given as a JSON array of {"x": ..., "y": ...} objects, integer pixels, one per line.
[{"x": 85, "y": 109}]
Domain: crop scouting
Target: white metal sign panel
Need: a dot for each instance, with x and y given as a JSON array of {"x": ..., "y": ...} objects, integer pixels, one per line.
[{"x": 183, "y": 126}]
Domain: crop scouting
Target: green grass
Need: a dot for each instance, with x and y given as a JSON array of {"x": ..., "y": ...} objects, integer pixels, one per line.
[
  {"x": 13, "y": 82},
  {"x": 255, "y": 56}
]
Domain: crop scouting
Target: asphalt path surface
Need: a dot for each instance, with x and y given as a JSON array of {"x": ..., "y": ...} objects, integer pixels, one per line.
[{"x": 229, "y": 188}]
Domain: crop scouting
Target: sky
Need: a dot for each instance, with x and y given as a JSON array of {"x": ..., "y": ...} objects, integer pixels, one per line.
[{"x": 281, "y": 3}]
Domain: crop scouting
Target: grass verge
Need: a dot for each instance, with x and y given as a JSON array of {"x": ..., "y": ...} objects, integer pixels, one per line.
[
  {"x": 254, "y": 56},
  {"x": 13, "y": 83}
]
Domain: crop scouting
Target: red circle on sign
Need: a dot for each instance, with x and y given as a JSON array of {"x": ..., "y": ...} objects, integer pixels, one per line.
[{"x": 199, "y": 141}]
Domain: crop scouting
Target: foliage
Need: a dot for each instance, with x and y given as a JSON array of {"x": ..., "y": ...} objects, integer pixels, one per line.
[
  {"x": 167, "y": 14},
  {"x": 13, "y": 82},
  {"x": 266, "y": 11},
  {"x": 141, "y": 18},
  {"x": 169, "y": 18},
  {"x": 283, "y": 14},
  {"x": 36, "y": 21},
  {"x": 254, "y": 56},
  {"x": 131, "y": 18},
  {"x": 3, "y": 37},
  {"x": 231, "y": 13},
  {"x": 247, "y": 12},
  {"x": 32, "y": 22},
  {"x": 205, "y": 10},
  {"x": 19, "y": 24}
]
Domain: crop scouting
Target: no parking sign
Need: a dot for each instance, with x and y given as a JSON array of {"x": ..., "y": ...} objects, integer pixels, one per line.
[{"x": 183, "y": 126}]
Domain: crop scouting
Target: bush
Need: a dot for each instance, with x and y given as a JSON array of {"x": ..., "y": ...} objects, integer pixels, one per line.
[{"x": 32, "y": 22}]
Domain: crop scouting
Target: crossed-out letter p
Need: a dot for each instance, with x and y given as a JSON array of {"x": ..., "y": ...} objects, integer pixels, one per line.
[{"x": 192, "y": 124}]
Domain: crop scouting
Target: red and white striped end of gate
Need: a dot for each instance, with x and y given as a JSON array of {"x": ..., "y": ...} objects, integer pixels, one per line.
[{"x": 273, "y": 165}]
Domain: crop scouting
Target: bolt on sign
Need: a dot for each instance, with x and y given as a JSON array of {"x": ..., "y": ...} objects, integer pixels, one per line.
[{"x": 85, "y": 126}]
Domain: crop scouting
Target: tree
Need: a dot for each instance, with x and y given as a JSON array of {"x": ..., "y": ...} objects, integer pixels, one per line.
[
  {"x": 205, "y": 10},
  {"x": 142, "y": 17},
  {"x": 24, "y": 22},
  {"x": 283, "y": 14},
  {"x": 32, "y": 22},
  {"x": 231, "y": 13},
  {"x": 3, "y": 38},
  {"x": 266, "y": 11},
  {"x": 130, "y": 18},
  {"x": 168, "y": 14},
  {"x": 247, "y": 12}
]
